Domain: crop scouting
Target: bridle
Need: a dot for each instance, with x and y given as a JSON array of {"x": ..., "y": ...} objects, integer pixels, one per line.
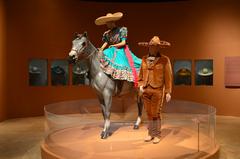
[{"x": 83, "y": 50}]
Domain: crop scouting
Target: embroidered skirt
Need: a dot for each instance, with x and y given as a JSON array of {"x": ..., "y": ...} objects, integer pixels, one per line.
[{"x": 115, "y": 63}]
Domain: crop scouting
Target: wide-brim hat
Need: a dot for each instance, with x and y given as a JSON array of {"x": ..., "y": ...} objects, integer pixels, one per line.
[
  {"x": 58, "y": 70},
  {"x": 108, "y": 18},
  {"x": 34, "y": 70},
  {"x": 79, "y": 71},
  {"x": 184, "y": 72},
  {"x": 155, "y": 41},
  {"x": 205, "y": 72}
]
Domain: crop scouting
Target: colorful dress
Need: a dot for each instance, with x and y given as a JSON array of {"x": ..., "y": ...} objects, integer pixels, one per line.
[{"x": 119, "y": 63}]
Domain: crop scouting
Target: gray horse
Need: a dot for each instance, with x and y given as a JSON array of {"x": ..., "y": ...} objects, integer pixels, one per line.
[{"x": 103, "y": 84}]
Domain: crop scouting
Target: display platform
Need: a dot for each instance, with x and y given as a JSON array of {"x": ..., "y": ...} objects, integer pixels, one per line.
[{"x": 73, "y": 131}]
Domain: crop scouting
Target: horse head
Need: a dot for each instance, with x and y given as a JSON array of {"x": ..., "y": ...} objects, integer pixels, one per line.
[{"x": 79, "y": 45}]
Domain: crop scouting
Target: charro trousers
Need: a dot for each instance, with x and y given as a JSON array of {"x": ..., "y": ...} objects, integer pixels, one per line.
[{"x": 153, "y": 101}]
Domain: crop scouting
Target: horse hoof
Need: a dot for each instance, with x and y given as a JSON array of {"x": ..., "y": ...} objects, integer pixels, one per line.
[
  {"x": 136, "y": 127},
  {"x": 104, "y": 135}
]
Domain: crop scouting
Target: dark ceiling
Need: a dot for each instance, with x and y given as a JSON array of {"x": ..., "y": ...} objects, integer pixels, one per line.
[{"x": 143, "y": 1}]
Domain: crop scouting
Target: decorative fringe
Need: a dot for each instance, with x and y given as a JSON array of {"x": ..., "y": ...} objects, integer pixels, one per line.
[{"x": 116, "y": 71}]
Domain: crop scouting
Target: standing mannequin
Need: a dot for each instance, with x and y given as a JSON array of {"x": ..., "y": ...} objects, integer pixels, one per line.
[{"x": 155, "y": 84}]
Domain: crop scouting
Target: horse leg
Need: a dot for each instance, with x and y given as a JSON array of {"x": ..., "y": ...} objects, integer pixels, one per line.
[
  {"x": 102, "y": 104},
  {"x": 140, "y": 108},
  {"x": 107, "y": 97},
  {"x": 103, "y": 108}
]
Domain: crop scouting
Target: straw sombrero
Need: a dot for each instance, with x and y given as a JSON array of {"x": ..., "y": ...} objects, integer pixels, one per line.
[
  {"x": 108, "y": 18},
  {"x": 155, "y": 41},
  {"x": 205, "y": 72}
]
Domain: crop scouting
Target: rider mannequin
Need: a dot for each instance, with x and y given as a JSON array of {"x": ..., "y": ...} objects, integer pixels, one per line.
[
  {"x": 117, "y": 60},
  {"x": 155, "y": 84},
  {"x": 111, "y": 25}
]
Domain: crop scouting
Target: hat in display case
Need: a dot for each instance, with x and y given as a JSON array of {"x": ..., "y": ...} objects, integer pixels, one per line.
[
  {"x": 205, "y": 72},
  {"x": 79, "y": 71},
  {"x": 58, "y": 70},
  {"x": 184, "y": 72},
  {"x": 34, "y": 70}
]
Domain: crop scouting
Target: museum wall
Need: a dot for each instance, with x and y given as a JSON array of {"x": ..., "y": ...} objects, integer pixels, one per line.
[
  {"x": 44, "y": 29},
  {"x": 2, "y": 63}
]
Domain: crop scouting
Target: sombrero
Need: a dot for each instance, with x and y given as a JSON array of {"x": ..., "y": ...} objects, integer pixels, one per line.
[
  {"x": 155, "y": 41},
  {"x": 79, "y": 71},
  {"x": 58, "y": 70},
  {"x": 184, "y": 72},
  {"x": 205, "y": 72},
  {"x": 34, "y": 70},
  {"x": 108, "y": 18}
]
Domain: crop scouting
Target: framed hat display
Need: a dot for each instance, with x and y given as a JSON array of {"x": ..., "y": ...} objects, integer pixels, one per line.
[
  {"x": 37, "y": 72},
  {"x": 204, "y": 72},
  {"x": 182, "y": 72},
  {"x": 80, "y": 73},
  {"x": 59, "y": 72}
]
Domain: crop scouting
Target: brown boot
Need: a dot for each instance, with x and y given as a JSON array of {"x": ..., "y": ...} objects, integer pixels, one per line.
[
  {"x": 156, "y": 140},
  {"x": 148, "y": 138}
]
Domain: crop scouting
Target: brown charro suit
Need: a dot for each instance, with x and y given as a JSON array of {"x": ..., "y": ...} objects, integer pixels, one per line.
[{"x": 156, "y": 78}]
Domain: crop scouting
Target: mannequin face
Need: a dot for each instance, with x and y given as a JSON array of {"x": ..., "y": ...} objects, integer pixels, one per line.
[
  {"x": 111, "y": 25},
  {"x": 153, "y": 50}
]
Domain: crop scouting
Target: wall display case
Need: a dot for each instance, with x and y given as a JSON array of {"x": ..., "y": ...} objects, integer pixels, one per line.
[
  {"x": 37, "y": 71},
  {"x": 232, "y": 71},
  {"x": 59, "y": 72},
  {"x": 204, "y": 72},
  {"x": 182, "y": 72}
]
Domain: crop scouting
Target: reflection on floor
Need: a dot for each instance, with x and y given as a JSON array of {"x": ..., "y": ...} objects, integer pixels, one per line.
[{"x": 21, "y": 138}]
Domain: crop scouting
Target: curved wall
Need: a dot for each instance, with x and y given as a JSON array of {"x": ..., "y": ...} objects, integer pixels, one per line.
[
  {"x": 3, "y": 111},
  {"x": 44, "y": 29}
]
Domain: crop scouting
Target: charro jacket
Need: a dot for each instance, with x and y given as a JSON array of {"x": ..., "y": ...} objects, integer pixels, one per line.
[{"x": 157, "y": 74}]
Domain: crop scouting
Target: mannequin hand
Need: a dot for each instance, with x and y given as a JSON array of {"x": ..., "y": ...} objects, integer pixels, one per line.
[
  {"x": 168, "y": 97},
  {"x": 141, "y": 89},
  {"x": 100, "y": 49},
  {"x": 112, "y": 46}
]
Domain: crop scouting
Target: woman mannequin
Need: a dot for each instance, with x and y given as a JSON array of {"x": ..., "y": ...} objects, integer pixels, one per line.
[{"x": 117, "y": 60}]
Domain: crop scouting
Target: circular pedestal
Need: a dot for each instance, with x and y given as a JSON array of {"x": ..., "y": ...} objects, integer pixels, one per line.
[
  {"x": 84, "y": 142},
  {"x": 183, "y": 136}
]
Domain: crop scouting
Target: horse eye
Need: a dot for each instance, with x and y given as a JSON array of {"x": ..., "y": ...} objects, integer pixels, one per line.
[{"x": 84, "y": 44}]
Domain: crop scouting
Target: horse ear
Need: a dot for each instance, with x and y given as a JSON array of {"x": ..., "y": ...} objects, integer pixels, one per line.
[
  {"x": 85, "y": 34},
  {"x": 76, "y": 34}
]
